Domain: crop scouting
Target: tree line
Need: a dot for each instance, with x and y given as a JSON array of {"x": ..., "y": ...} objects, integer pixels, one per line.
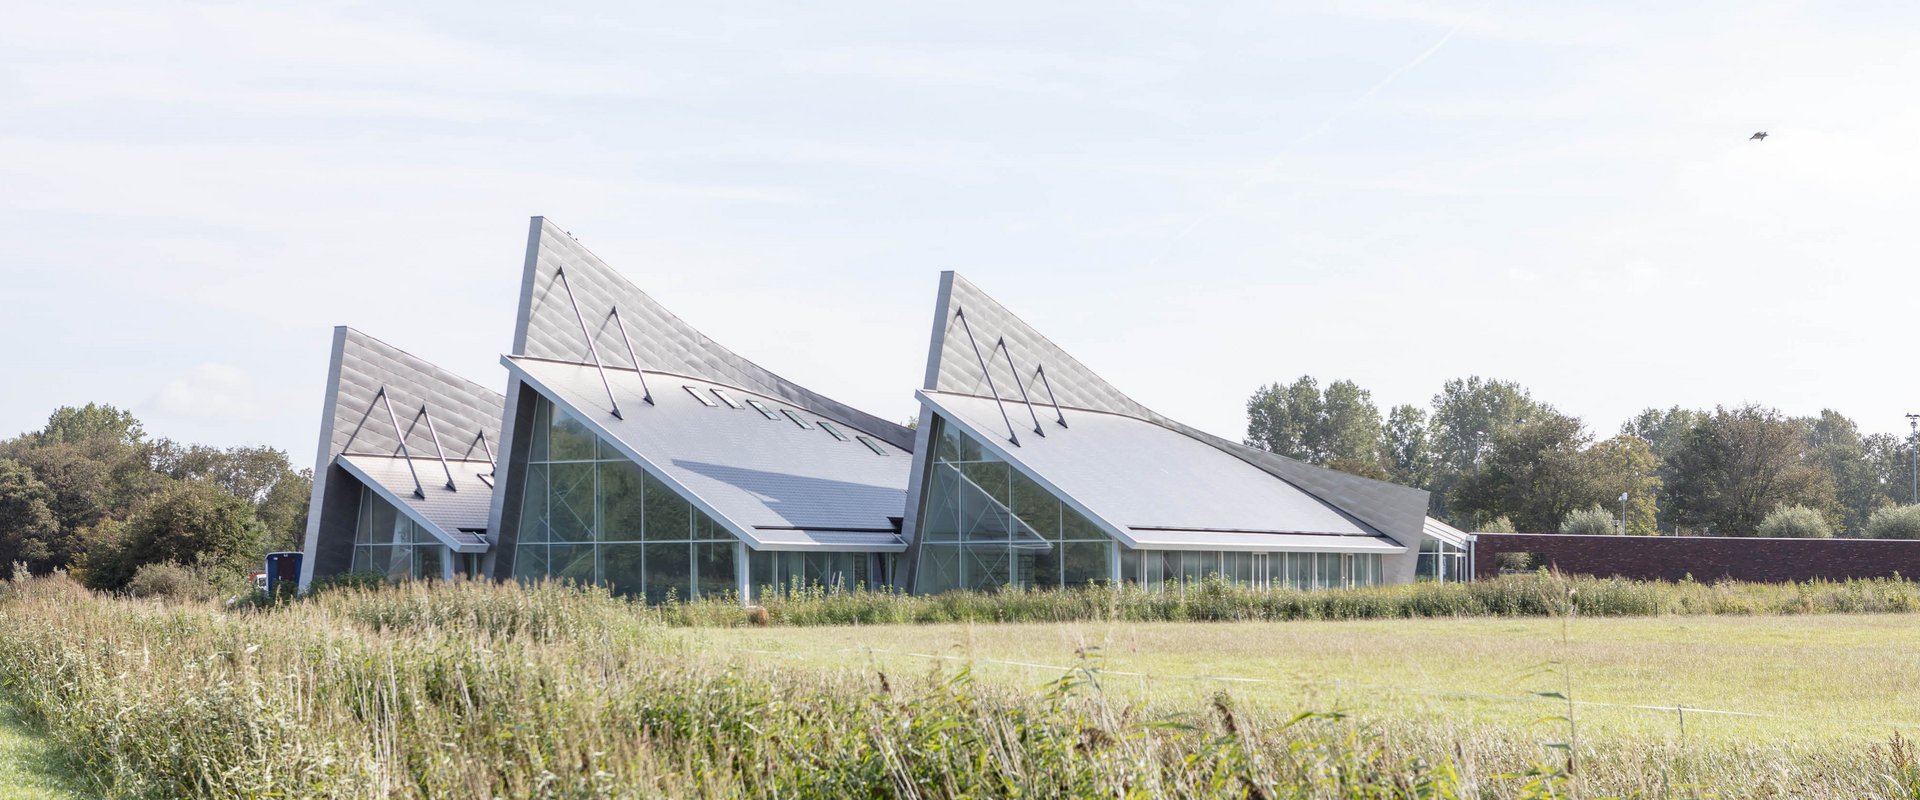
[
  {"x": 1496, "y": 458},
  {"x": 91, "y": 494}
]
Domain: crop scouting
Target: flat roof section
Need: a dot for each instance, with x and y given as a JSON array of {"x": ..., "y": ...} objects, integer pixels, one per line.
[
  {"x": 1166, "y": 489},
  {"x": 785, "y": 487}
]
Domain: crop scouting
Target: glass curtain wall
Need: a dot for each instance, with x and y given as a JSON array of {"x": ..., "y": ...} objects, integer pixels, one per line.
[
  {"x": 1440, "y": 561},
  {"x": 1177, "y": 569},
  {"x": 983, "y": 526},
  {"x": 786, "y": 571},
  {"x": 592, "y": 516},
  {"x": 388, "y": 542}
]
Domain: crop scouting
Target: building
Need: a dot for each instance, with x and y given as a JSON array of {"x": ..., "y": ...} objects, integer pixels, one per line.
[
  {"x": 1032, "y": 471},
  {"x": 404, "y": 476},
  {"x": 633, "y": 452}
]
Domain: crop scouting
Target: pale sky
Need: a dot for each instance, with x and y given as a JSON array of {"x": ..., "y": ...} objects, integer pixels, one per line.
[{"x": 1193, "y": 200}]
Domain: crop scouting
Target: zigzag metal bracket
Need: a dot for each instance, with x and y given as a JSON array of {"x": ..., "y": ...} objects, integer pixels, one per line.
[
  {"x": 961, "y": 314},
  {"x": 1040, "y": 371},
  {"x": 592, "y": 351},
  {"x": 1001, "y": 346},
  {"x": 646, "y": 393},
  {"x": 382, "y": 398}
]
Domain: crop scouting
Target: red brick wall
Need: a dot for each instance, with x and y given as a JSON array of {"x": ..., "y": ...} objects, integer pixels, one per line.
[{"x": 1706, "y": 558}]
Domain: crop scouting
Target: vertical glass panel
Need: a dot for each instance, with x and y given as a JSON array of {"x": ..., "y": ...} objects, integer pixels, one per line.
[
  {"x": 1038, "y": 567},
  {"x": 571, "y": 502},
  {"x": 530, "y": 562},
  {"x": 1301, "y": 567},
  {"x": 1152, "y": 575},
  {"x": 396, "y": 561},
  {"x": 569, "y": 439},
  {"x": 669, "y": 516},
  {"x": 1195, "y": 566},
  {"x": 1073, "y": 526},
  {"x": 362, "y": 559},
  {"x": 1129, "y": 565},
  {"x": 429, "y": 561},
  {"x": 533, "y": 507},
  {"x": 622, "y": 501},
  {"x": 620, "y": 569},
  {"x": 1240, "y": 567},
  {"x": 363, "y": 517},
  {"x": 1330, "y": 570},
  {"x": 989, "y": 566},
  {"x": 1085, "y": 563},
  {"x": 1036, "y": 507},
  {"x": 940, "y": 520},
  {"x": 939, "y": 569},
  {"x": 383, "y": 522},
  {"x": 713, "y": 564},
  {"x": 760, "y": 573},
  {"x": 572, "y": 562},
  {"x": 669, "y": 572}
]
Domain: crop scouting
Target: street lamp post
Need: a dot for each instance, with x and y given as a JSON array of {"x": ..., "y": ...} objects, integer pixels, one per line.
[
  {"x": 1623, "y": 513},
  {"x": 1914, "y": 420}
]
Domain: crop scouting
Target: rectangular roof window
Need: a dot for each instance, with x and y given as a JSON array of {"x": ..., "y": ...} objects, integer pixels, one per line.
[
  {"x": 832, "y": 430},
  {"x": 872, "y": 445},
  {"x": 727, "y": 398},
  {"x": 704, "y": 400},
  {"x": 795, "y": 417},
  {"x": 762, "y": 408}
]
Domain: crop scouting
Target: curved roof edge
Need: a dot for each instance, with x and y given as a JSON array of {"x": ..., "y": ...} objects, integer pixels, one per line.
[{"x": 547, "y": 327}]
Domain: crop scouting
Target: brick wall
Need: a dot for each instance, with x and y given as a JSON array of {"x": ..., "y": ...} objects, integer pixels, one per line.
[{"x": 1706, "y": 558}]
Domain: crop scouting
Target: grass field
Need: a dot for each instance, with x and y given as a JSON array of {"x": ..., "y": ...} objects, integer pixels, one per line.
[
  {"x": 1805, "y": 673},
  {"x": 491, "y": 690},
  {"x": 30, "y": 769}
]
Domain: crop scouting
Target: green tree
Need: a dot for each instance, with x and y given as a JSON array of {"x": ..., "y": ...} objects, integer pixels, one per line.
[
  {"x": 1531, "y": 473},
  {"x": 92, "y": 421},
  {"x": 192, "y": 523},
  {"x": 1663, "y": 431},
  {"x": 1467, "y": 414},
  {"x": 1737, "y": 465},
  {"x": 29, "y": 530},
  {"x": 1409, "y": 453},
  {"x": 1795, "y": 522},
  {"x": 1895, "y": 522},
  {"x": 1834, "y": 446},
  {"x": 1339, "y": 428},
  {"x": 261, "y": 476},
  {"x": 1589, "y": 521}
]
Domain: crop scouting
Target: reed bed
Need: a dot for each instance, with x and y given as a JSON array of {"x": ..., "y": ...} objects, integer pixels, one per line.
[{"x": 483, "y": 690}]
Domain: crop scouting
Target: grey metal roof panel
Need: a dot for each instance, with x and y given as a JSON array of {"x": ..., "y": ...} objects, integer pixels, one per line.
[
  {"x": 1447, "y": 533},
  {"x": 756, "y": 472},
  {"x": 460, "y": 408},
  {"x": 954, "y": 367},
  {"x": 443, "y": 512},
  {"x": 548, "y": 328},
  {"x": 1137, "y": 475}
]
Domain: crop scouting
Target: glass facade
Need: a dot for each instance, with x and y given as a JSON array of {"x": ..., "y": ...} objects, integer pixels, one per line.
[
  {"x": 1441, "y": 562},
  {"x": 984, "y": 525},
  {"x": 784, "y": 571},
  {"x": 590, "y": 515},
  {"x": 387, "y": 541}
]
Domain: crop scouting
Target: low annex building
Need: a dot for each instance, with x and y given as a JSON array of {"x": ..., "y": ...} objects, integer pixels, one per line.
[{"x": 633, "y": 452}]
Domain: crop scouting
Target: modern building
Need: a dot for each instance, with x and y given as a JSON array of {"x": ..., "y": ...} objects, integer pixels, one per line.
[
  {"x": 633, "y": 452},
  {"x": 645, "y": 457},
  {"x": 1032, "y": 471},
  {"x": 404, "y": 476}
]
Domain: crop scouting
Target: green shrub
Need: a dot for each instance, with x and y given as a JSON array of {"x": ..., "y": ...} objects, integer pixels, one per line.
[
  {"x": 1894, "y": 522},
  {"x": 177, "y": 582},
  {"x": 1592, "y": 521},
  {"x": 1500, "y": 524},
  {"x": 1795, "y": 522}
]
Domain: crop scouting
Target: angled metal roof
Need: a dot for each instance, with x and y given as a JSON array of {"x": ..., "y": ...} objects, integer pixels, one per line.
[
  {"x": 548, "y": 328},
  {"x": 1447, "y": 533},
  {"x": 457, "y": 518},
  {"x": 1158, "y": 487},
  {"x": 981, "y": 348},
  {"x": 461, "y": 409},
  {"x": 773, "y": 483}
]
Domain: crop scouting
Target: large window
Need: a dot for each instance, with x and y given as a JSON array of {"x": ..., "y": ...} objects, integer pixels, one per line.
[
  {"x": 1440, "y": 561},
  {"x": 387, "y": 541},
  {"x": 1178, "y": 569},
  {"x": 983, "y": 525},
  {"x": 590, "y": 515},
  {"x": 784, "y": 571}
]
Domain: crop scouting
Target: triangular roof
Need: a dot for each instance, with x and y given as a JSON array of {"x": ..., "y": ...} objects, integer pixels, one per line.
[
  {"x": 548, "y": 328},
  {"x": 954, "y": 366}
]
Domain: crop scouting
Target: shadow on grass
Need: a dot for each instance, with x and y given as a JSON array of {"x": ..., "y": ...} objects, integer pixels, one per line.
[{"x": 30, "y": 767}]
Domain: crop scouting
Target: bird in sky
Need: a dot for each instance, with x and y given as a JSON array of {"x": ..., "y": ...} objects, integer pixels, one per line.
[{"x": 1762, "y": 136}]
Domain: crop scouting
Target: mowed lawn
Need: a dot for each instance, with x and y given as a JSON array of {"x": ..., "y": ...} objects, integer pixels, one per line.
[{"x": 1821, "y": 671}]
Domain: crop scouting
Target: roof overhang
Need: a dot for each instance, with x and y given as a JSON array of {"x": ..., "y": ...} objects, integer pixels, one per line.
[{"x": 460, "y": 541}]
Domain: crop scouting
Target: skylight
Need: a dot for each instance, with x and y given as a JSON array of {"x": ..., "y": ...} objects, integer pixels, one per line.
[
  {"x": 796, "y": 418},
  {"x": 762, "y": 408},
  {"x": 832, "y": 430},
  {"x": 872, "y": 445},
  {"x": 704, "y": 400},
  {"x": 727, "y": 398}
]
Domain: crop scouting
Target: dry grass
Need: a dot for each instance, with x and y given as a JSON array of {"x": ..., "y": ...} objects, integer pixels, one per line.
[{"x": 470, "y": 690}]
